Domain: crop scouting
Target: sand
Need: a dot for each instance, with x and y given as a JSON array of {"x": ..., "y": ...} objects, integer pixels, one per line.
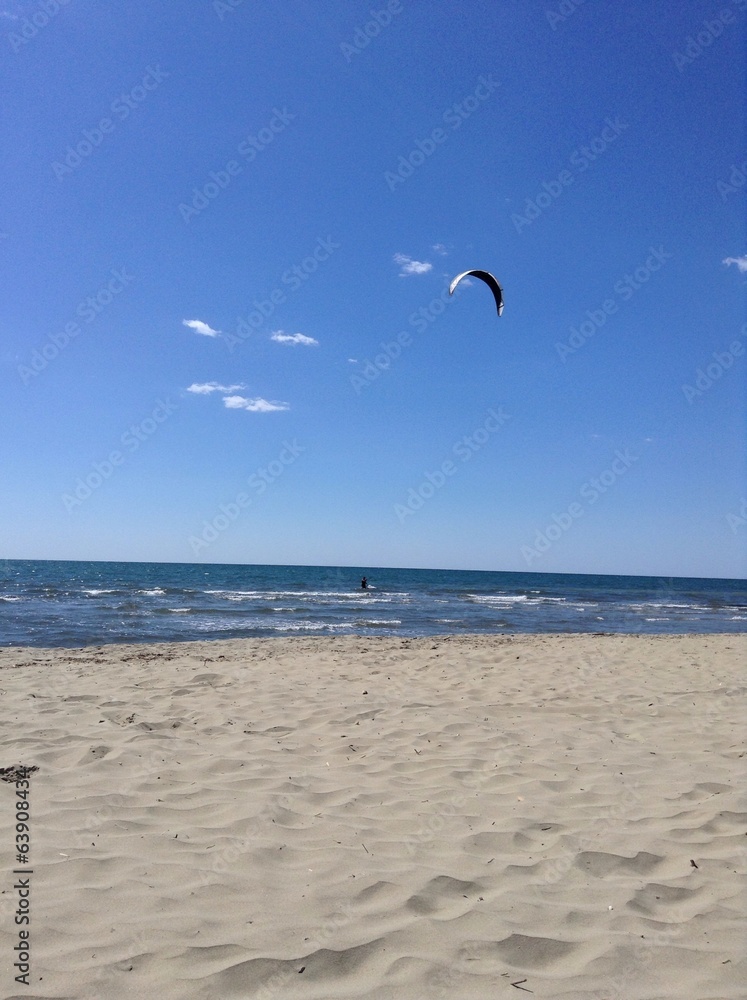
[{"x": 461, "y": 817}]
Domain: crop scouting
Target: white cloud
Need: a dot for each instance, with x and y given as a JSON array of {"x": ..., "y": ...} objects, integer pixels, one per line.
[
  {"x": 294, "y": 338},
  {"x": 409, "y": 266},
  {"x": 204, "y": 388},
  {"x": 253, "y": 405},
  {"x": 440, "y": 249},
  {"x": 199, "y": 327},
  {"x": 353, "y": 361},
  {"x": 257, "y": 405},
  {"x": 741, "y": 262}
]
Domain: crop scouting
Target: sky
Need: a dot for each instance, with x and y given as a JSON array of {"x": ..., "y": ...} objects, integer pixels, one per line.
[{"x": 227, "y": 233}]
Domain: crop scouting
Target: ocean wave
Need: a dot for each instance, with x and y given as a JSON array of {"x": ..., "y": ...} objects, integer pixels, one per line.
[
  {"x": 505, "y": 601},
  {"x": 253, "y": 626},
  {"x": 307, "y": 597},
  {"x": 497, "y": 598},
  {"x": 645, "y": 605},
  {"x": 310, "y": 626},
  {"x": 246, "y": 593},
  {"x": 378, "y": 621}
]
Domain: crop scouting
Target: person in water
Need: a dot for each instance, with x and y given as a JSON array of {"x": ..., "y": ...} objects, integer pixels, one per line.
[{"x": 364, "y": 584}]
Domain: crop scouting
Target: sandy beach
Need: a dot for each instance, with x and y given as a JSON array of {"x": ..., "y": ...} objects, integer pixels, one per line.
[{"x": 385, "y": 819}]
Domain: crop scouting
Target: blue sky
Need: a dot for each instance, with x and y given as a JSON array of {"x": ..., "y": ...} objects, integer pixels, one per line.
[{"x": 227, "y": 232}]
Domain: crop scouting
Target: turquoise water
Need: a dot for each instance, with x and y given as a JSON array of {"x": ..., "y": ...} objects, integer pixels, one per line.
[{"x": 87, "y": 603}]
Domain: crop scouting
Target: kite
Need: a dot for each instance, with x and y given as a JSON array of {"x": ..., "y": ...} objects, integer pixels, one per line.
[{"x": 489, "y": 280}]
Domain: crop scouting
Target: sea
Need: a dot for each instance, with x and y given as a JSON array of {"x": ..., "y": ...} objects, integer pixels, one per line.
[{"x": 69, "y": 604}]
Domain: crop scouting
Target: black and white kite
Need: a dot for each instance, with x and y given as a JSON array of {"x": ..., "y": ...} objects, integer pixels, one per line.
[{"x": 489, "y": 280}]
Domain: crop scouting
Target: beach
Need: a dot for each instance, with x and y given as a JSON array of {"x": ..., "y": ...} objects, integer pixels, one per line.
[{"x": 377, "y": 818}]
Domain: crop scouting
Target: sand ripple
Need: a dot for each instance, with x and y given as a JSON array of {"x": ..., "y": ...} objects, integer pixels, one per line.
[{"x": 382, "y": 819}]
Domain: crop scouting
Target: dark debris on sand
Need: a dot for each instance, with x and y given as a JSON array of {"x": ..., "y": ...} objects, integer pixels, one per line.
[{"x": 13, "y": 774}]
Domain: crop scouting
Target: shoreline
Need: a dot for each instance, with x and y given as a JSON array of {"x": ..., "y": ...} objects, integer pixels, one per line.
[
  {"x": 394, "y": 640},
  {"x": 380, "y": 818}
]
